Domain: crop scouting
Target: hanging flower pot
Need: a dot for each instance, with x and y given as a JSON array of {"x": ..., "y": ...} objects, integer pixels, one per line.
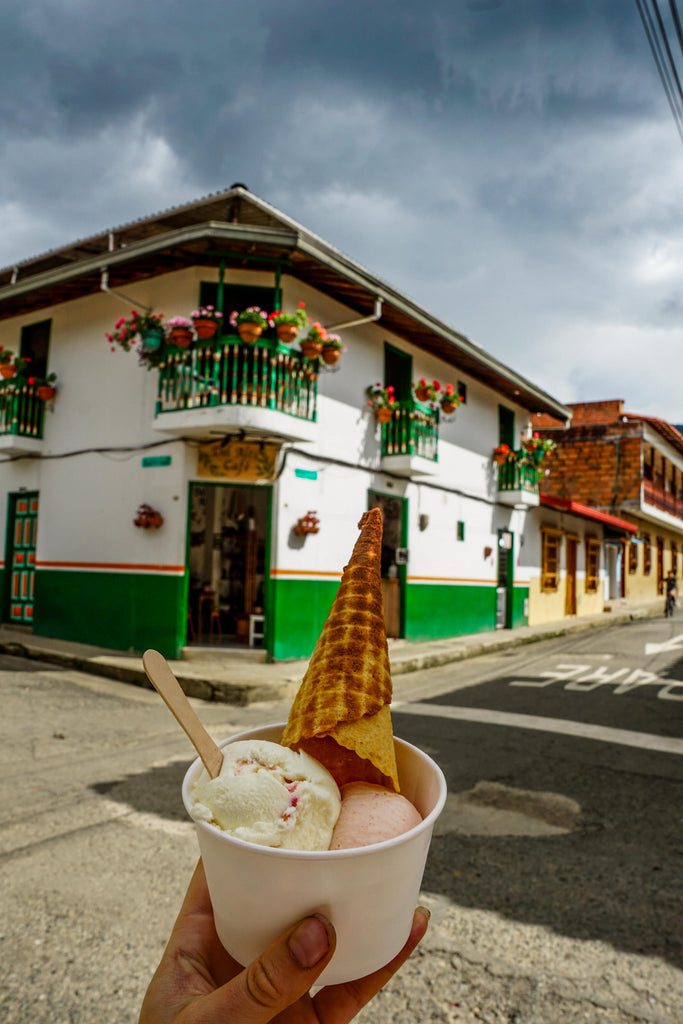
[
  {"x": 205, "y": 328},
  {"x": 384, "y": 414},
  {"x": 7, "y": 370},
  {"x": 311, "y": 349},
  {"x": 249, "y": 332},
  {"x": 422, "y": 394},
  {"x": 287, "y": 333},
  {"x": 181, "y": 337},
  {"x": 152, "y": 340},
  {"x": 46, "y": 392},
  {"x": 331, "y": 354},
  {"x": 449, "y": 407}
]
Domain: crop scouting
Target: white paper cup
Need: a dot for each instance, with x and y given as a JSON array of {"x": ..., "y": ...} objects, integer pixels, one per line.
[{"x": 368, "y": 893}]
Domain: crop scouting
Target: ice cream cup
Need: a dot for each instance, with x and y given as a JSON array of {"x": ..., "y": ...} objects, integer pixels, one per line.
[{"x": 368, "y": 893}]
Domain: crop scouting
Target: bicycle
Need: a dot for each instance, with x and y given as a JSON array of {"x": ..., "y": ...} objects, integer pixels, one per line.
[{"x": 670, "y": 603}]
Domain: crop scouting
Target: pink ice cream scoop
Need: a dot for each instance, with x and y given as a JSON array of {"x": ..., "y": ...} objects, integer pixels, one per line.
[{"x": 370, "y": 814}]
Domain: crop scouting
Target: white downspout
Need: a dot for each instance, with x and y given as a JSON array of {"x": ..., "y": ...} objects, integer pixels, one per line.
[{"x": 362, "y": 320}]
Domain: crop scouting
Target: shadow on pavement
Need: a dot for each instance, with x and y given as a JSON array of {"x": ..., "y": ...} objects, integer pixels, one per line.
[
  {"x": 618, "y": 879},
  {"x": 156, "y": 791}
]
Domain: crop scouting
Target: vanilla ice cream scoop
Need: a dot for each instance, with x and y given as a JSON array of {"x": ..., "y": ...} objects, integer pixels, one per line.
[
  {"x": 371, "y": 814},
  {"x": 270, "y": 795}
]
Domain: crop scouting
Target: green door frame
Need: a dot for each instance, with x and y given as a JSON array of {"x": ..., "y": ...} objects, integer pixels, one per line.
[
  {"x": 268, "y": 603},
  {"x": 13, "y": 498},
  {"x": 398, "y": 370},
  {"x": 402, "y": 569}
]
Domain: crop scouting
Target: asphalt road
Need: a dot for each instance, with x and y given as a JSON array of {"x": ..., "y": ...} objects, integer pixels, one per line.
[{"x": 555, "y": 875}]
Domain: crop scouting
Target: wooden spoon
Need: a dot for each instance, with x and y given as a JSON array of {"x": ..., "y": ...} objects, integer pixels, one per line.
[{"x": 165, "y": 683}]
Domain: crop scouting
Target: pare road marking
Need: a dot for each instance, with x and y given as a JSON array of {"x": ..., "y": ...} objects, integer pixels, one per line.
[{"x": 585, "y": 678}]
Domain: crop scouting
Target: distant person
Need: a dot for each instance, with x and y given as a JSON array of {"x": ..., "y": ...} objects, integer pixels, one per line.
[{"x": 670, "y": 583}]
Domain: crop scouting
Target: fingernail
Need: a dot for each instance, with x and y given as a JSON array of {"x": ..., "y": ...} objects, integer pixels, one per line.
[
  {"x": 309, "y": 942},
  {"x": 425, "y": 910}
]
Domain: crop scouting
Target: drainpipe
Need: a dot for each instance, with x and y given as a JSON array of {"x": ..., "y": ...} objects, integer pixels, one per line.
[
  {"x": 104, "y": 285},
  {"x": 362, "y": 320}
]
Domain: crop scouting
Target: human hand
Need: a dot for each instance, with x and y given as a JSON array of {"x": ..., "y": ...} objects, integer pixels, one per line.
[{"x": 198, "y": 982}]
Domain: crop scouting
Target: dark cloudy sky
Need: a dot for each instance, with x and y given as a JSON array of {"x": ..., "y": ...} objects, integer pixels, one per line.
[{"x": 512, "y": 165}]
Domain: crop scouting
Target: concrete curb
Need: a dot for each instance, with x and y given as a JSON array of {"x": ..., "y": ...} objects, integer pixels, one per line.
[{"x": 251, "y": 682}]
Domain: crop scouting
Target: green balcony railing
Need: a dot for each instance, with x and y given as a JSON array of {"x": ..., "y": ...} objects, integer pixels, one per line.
[
  {"x": 22, "y": 412},
  {"x": 412, "y": 430},
  {"x": 230, "y": 372},
  {"x": 515, "y": 475}
]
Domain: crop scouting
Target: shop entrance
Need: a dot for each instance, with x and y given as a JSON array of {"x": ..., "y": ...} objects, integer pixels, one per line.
[
  {"x": 394, "y": 559},
  {"x": 229, "y": 529}
]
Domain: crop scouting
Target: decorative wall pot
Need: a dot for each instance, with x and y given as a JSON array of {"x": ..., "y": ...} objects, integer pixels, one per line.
[
  {"x": 500, "y": 460},
  {"x": 383, "y": 414},
  {"x": 422, "y": 394},
  {"x": 7, "y": 370},
  {"x": 147, "y": 518},
  {"x": 46, "y": 392},
  {"x": 449, "y": 407},
  {"x": 331, "y": 355},
  {"x": 181, "y": 337},
  {"x": 249, "y": 332},
  {"x": 307, "y": 524},
  {"x": 152, "y": 340},
  {"x": 311, "y": 349},
  {"x": 204, "y": 328},
  {"x": 287, "y": 333}
]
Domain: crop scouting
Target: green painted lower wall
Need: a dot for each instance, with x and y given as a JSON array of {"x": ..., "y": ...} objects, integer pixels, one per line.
[
  {"x": 434, "y": 612},
  {"x": 133, "y": 612},
  {"x": 124, "y": 611},
  {"x": 520, "y": 605},
  {"x": 300, "y": 607}
]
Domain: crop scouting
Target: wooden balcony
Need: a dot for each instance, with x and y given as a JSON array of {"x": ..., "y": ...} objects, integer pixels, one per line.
[
  {"x": 410, "y": 440},
  {"x": 654, "y": 494},
  {"x": 22, "y": 414},
  {"x": 230, "y": 386},
  {"x": 518, "y": 484}
]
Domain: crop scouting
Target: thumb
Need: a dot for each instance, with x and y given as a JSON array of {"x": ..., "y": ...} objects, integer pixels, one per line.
[{"x": 281, "y": 975}]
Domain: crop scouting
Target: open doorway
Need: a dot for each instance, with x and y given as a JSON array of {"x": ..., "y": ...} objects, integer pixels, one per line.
[
  {"x": 228, "y": 534},
  {"x": 394, "y": 556}
]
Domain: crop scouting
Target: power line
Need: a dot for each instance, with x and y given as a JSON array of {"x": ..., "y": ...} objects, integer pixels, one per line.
[{"x": 663, "y": 57}]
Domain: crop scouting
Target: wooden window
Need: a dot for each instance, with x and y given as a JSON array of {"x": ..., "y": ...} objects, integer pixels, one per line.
[
  {"x": 647, "y": 554},
  {"x": 593, "y": 565},
  {"x": 632, "y": 558},
  {"x": 674, "y": 557},
  {"x": 551, "y": 547}
]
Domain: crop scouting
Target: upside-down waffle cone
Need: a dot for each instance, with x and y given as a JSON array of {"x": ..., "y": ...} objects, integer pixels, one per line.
[{"x": 340, "y": 714}]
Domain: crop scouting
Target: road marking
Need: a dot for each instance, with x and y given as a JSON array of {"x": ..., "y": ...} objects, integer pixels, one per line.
[
  {"x": 581, "y": 730},
  {"x": 592, "y": 678},
  {"x": 674, "y": 644}
]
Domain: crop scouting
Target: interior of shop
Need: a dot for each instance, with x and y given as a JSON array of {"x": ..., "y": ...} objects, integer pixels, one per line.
[{"x": 228, "y": 529}]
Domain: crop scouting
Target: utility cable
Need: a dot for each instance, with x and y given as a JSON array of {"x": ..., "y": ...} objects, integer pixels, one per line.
[{"x": 651, "y": 35}]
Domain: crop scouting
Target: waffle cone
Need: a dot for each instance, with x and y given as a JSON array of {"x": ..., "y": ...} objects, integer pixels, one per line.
[{"x": 340, "y": 714}]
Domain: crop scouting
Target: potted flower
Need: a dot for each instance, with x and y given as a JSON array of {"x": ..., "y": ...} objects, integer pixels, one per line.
[
  {"x": 425, "y": 391},
  {"x": 146, "y": 326},
  {"x": 250, "y": 323},
  {"x": 148, "y": 518},
  {"x": 288, "y": 325},
  {"x": 449, "y": 400},
  {"x": 332, "y": 349},
  {"x": 179, "y": 331},
  {"x": 542, "y": 447},
  {"x": 7, "y": 367},
  {"x": 502, "y": 454},
  {"x": 312, "y": 345},
  {"x": 381, "y": 399},
  {"x": 206, "y": 321},
  {"x": 45, "y": 386}
]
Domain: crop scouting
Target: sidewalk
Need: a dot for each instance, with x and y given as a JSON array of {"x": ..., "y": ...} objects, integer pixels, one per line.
[{"x": 243, "y": 676}]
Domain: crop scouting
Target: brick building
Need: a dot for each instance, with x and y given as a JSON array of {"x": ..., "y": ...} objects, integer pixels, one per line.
[{"x": 629, "y": 466}]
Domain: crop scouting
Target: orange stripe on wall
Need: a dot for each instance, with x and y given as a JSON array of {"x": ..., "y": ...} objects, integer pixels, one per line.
[
  {"x": 129, "y": 566},
  {"x": 303, "y": 572}
]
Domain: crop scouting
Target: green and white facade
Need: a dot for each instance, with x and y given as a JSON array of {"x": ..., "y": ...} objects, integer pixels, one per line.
[{"x": 288, "y": 437}]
